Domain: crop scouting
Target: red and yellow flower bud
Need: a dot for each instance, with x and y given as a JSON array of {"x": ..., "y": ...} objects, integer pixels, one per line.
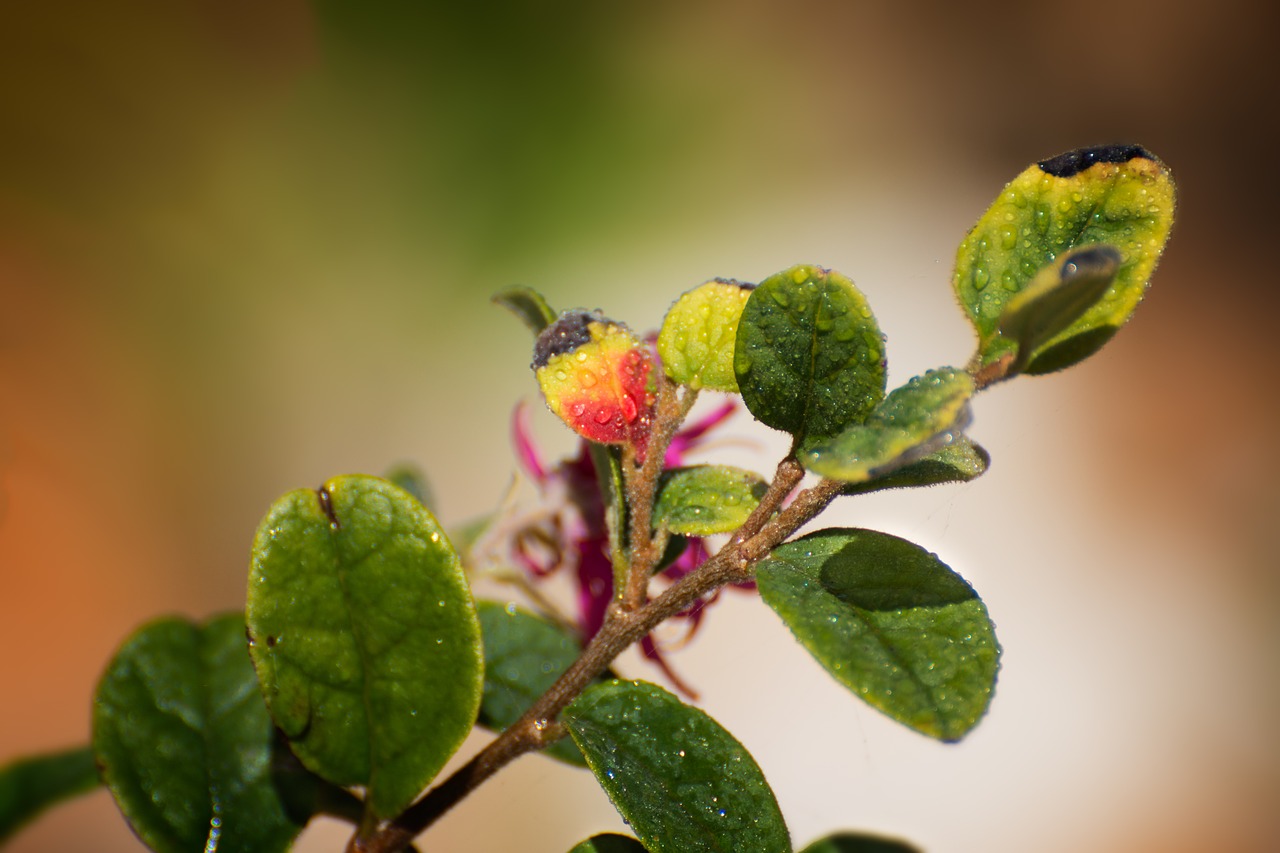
[{"x": 595, "y": 376}]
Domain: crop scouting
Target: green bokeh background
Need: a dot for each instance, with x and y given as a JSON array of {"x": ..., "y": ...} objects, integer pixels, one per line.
[{"x": 245, "y": 247}]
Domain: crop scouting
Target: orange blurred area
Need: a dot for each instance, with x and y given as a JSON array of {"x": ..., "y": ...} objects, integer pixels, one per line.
[{"x": 247, "y": 247}]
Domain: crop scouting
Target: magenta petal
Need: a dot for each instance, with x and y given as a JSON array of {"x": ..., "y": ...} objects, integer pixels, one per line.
[
  {"x": 595, "y": 584},
  {"x": 522, "y": 437}
]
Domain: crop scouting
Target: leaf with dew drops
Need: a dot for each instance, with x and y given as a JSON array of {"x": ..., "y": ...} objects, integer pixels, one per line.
[
  {"x": 809, "y": 357},
  {"x": 1120, "y": 195},
  {"x": 364, "y": 636},
  {"x": 889, "y": 621},
  {"x": 958, "y": 462},
  {"x": 914, "y": 421},
  {"x": 1059, "y": 295},
  {"x": 681, "y": 781},
  {"x": 702, "y": 500},
  {"x": 595, "y": 376},
  {"x": 698, "y": 335}
]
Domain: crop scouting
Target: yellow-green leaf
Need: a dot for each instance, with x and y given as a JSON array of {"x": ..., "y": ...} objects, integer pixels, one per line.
[
  {"x": 697, "y": 338},
  {"x": 1116, "y": 194}
]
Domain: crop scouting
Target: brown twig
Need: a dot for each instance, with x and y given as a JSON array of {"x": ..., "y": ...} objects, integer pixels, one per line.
[{"x": 537, "y": 728}]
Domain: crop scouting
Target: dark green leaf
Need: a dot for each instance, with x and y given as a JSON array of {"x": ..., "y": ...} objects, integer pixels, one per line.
[
  {"x": 365, "y": 637},
  {"x": 681, "y": 781},
  {"x": 958, "y": 462},
  {"x": 698, "y": 335},
  {"x": 523, "y": 656},
  {"x": 889, "y": 621},
  {"x": 609, "y": 843},
  {"x": 1119, "y": 195},
  {"x": 848, "y": 842},
  {"x": 185, "y": 742},
  {"x": 410, "y": 477},
  {"x": 914, "y": 421},
  {"x": 809, "y": 356},
  {"x": 527, "y": 304},
  {"x": 30, "y": 785},
  {"x": 1058, "y": 296},
  {"x": 706, "y": 499}
]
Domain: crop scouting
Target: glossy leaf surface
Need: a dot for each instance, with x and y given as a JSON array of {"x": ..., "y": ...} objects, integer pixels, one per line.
[
  {"x": 364, "y": 636},
  {"x": 958, "y": 462},
  {"x": 889, "y": 621},
  {"x": 680, "y": 780},
  {"x": 30, "y": 785},
  {"x": 704, "y": 499},
  {"x": 1059, "y": 295},
  {"x": 595, "y": 376},
  {"x": 849, "y": 842},
  {"x": 699, "y": 333},
  {"x": 529, "y": 305},
  {"x": 809, "y": 356},
  {"x": 185, "y": 742},
  {"x": 1119, "y": 195},
  {"x": 523, "y": 656},
  {"x": 915, "y": 420},
  {"x": 609, "y": 843}
]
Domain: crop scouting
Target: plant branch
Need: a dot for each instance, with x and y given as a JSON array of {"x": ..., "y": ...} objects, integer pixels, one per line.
[
  {"x": 670, "y": 410},
  {"x": 537, "y": 728}
]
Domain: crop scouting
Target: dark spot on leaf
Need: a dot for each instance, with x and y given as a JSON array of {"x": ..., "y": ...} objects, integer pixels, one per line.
[
  {"x": 271, "y": 641},
  {"x": 326, "y": 506},
  {"x": 1074, "y": 162},
  {"x": 742, "y": 285},
  {"x": 568, "y": 333}
]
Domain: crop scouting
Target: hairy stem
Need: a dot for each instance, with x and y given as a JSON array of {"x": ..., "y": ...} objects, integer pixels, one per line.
[{"x": 537, "y": 729}]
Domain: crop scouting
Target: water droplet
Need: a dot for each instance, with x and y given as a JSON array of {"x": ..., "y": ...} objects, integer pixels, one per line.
[
  {"x": 779, "y": 295},
  {"x": 587, "y": 378},
  {"x": 561, "y": 375},
  {"x": 799, "y": 275},
  {"x": 602, "y": 416},
  {"x": 1008, "y": 237},
  {"x": 629, "y": 409},
  {"x": 580, "y": 356},
  {"x": 577, "y": 409},
  {"x": 980, "y": 277}
]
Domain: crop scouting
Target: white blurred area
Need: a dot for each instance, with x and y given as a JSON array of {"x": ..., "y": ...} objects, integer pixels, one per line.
[{"x": 1122, "y": 539}]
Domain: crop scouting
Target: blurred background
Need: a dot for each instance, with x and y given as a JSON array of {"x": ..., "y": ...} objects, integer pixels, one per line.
[{"x": 247, "y": 246}]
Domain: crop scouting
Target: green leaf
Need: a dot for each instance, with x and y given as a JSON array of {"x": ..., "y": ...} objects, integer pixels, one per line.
[
  {"x": 681, "y": 781},
  {"x": 523, "y": 656},
  {"x": 849, "y": 842},
  {"x": 698, "y": 335},
  {"x": 1118, "y": 194},
  {"x": 704, "y": 499},
  {"x": 185, "y": 743},
  {"x": 809, "y": 356},
  {"x": 1058, "y": 296},
  {"x": 30, "y": 785},
  {"x": 889, "y": 621},
  {"x": 365, "y": 636},
  {"x": 958, "y": 462},
  {"x": 609, "y": 843},
  {"x": 527, "y": 304},
  {"x": 411, "y": 478},
  {"x": 914, "y": 421}
]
